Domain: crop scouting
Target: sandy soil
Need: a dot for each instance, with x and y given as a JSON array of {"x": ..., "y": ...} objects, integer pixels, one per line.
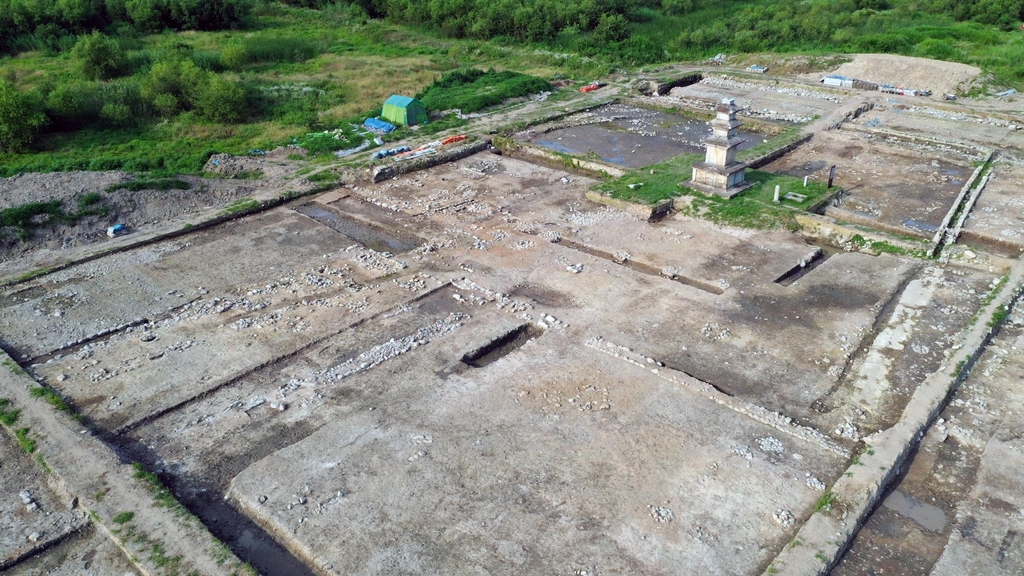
[{"x": 922, "y": 73}]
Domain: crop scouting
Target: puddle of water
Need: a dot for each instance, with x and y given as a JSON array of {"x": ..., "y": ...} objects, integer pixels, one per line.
[
  {"x": 370, "y": 236},
  {"x": 637, "y": 137},
  {"x": 925, "y": 515},
  {"x": 923, "y": 226}
]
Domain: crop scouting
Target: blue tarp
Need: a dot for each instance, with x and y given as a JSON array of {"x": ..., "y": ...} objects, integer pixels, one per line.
[{"x": 378, "y": 125}]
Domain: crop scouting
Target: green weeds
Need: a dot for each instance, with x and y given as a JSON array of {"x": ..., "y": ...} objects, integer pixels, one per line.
[
  {"x": 28, "y": 445},
  {"x": 323, "y": 177},
  {"x": 240, "y": 205},
  {"x": 8, "y": 416},
  {"x": 161, "y": 494},
  {"x": 124, "y": 517},
  {"x": 14, "y": 367},
  {"x": 998, "y": 316},
  {"x": 826, "y": 502},
  {"x": 35, "y": 214},
  {"x": 55, "y": 400},
  {"x": 884, "y": 247}
]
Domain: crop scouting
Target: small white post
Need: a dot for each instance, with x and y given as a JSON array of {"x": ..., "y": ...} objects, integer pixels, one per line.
[
  {"x": 805, "y": 181},
  {"x": 777, "y": 187}
]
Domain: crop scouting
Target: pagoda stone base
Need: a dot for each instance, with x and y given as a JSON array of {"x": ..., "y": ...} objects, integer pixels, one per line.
[{"x": 725, "y": 181}]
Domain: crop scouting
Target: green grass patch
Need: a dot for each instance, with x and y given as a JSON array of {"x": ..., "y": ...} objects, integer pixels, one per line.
[
  {"x": 826, "y": 502},
  {"x": 8, "y": 416},
  {"x": 323, "y": 177},
  {"x": 653, "y": 183},
  {"x": 151, "y": 184},
  {"x": 163, "y": 496},
  {"x": 28, "y": 445},
  {"x": 14, "y": 367},
  {"x": 785, "y": 138},
  {"x": 124, "y": 517},
  {"x": 251, "y": 175},
  {"x": 991, "y": 296},
  {"x": 753, "y": 208},
  {"x": 36, "y": 214},
  {"x": 321, "y": 143},
  {"x": 998, "y": 316},
  {"x": 55, "y": 400},
  {"x": 240, "y": 205},
  {"x": 883, "y": 247},
  {"x": 472, "y": 89}
]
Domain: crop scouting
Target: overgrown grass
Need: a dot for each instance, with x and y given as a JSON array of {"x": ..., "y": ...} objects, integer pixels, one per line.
[
  {"x": 446, "y": 122},
  {"x": 472, "y": 89}
]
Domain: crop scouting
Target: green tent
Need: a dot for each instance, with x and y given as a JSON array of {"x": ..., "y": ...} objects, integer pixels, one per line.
[{"x": 403, "y": 110}]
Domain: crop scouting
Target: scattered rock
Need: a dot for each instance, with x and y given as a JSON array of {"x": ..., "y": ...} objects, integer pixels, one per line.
[{"x": 784, "y": 518}]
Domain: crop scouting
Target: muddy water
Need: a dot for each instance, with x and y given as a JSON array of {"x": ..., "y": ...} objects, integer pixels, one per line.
[
  {"x": 925, "y": 515},
  {"x": 635, "y": 137}
]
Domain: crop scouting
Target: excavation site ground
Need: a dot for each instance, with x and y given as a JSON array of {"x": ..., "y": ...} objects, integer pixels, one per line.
[{"x": 488, "y": 366}]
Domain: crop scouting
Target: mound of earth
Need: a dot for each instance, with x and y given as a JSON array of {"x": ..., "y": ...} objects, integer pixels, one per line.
[{"x": 920, "y": 73}]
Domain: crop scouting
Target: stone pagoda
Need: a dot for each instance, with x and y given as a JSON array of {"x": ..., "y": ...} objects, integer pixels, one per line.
[{"x": 721, "y": 173}]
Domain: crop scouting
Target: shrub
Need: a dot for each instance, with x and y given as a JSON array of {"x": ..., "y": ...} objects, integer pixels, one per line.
[
  {"x": 178, "y": 78},
  {"x": 73, "y": 105},
  {"x": 221, "y": 101},
  {"x": 99, "y": 57},
  {"x": 20, "y": 119},
  {"x": 116, "y": 113}
]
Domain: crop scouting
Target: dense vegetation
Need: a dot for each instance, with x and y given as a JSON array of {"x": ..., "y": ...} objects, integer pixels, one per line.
[
  {"x": 473, "y": 89},
  {"x": 109, "y": 84},
  {"x": 53, "y": 24}
]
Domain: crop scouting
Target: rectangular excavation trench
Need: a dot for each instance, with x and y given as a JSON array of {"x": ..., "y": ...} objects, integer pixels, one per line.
[
  {"x": 643, "y": 268},
  {"x": 373, "y": 237},
  {"x": 502, "y": 346}
]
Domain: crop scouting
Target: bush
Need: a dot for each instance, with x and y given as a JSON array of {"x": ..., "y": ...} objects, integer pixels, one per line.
[
  {"x": 116, "y": 113},
  {"x": 221, "y": 101},
  {"x": 99, "y": 57},
  {"x": 73, "y": 105},
  {"x": 177, "y": 78},
  {"x": 20, "y": 118}
]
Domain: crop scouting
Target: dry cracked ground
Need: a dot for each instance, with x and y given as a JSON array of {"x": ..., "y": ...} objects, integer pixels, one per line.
[{"x": 473, "y": 369}]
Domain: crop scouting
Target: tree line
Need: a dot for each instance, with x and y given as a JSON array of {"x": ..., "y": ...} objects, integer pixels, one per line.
[{"x": 32, "y": 24}]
